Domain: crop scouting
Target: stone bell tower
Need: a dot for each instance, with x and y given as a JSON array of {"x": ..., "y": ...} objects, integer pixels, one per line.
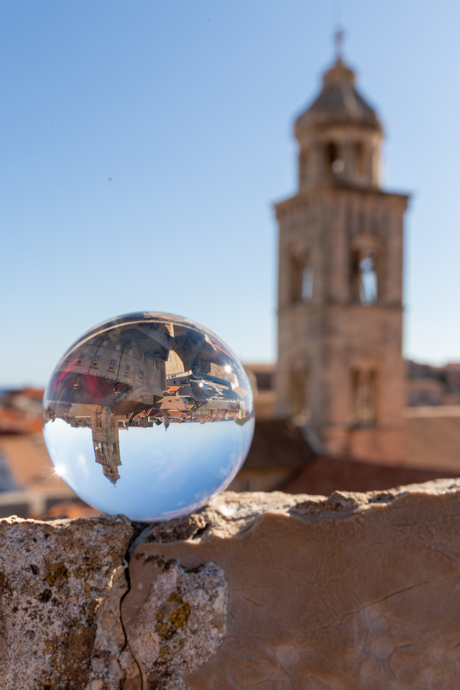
[{"x": 340, "y": 366}]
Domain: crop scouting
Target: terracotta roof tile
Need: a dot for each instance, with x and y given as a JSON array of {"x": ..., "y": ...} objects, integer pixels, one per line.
[
  {"x": 322, "y": 476},
  {"x": 277, "y": 443}
]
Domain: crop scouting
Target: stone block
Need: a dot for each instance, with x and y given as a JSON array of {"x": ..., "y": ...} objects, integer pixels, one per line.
[
  {"x": 272, "y": 591},
  {"x": 352, "y": 592},
  {"x": 53, "y": 577}
]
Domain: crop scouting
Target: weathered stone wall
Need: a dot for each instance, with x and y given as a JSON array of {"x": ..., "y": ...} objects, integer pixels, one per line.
[{"x": 257, "y": 591}]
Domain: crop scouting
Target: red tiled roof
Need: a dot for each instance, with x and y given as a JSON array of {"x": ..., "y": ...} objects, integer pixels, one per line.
[
  {"x": 322, "y": 476},
  {"x": 277, "y": 443},
  {"x": 32, "y": 393},
  {"x": 14, "y": 422}
]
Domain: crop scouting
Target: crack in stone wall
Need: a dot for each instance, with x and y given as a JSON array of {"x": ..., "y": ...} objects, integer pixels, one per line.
[
  {"x": 175, "y": 619},
  {"x": 255, "y": 591}
]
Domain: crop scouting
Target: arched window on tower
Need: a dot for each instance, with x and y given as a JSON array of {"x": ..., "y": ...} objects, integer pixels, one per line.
[
  {"x": 301, "y": 278},
  {"x": 363, "y": 393},
  {"x": 334, "y": 163},
  {"x": 364, "y": 283}
]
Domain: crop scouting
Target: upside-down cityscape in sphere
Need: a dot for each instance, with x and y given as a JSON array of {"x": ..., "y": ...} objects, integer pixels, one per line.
[{"x": 149, "y": 415}]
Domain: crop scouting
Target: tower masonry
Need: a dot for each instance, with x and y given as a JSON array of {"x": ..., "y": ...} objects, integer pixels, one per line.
[{"x": 340, "y": 366}]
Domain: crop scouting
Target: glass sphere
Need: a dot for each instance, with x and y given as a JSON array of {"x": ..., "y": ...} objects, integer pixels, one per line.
[{"x": 149, "y": 415}]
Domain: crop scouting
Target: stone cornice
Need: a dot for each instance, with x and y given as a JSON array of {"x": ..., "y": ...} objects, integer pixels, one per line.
[{"x": 323, "y": 190}]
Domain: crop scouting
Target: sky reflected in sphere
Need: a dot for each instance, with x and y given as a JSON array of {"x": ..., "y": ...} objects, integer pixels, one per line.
[{"x": 149, "y": 415}]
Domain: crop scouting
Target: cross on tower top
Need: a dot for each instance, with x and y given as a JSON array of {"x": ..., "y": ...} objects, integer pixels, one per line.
[{"x": 339, "y": 38}]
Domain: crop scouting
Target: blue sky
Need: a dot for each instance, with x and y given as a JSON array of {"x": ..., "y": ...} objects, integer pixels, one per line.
[{"x": 144, "y": 143}]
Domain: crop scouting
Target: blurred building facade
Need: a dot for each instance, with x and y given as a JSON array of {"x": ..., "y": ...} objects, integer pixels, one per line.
[
  {"x": 341, "y": 409},
  {"x": 340, "y": 364}
]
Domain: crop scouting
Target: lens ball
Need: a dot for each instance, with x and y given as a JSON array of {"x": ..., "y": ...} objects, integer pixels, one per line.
[{"x": 149, "y": 415}]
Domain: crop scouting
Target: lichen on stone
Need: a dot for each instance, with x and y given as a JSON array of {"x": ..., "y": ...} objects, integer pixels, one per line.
[
  {"x": 57, "y": 574},
  {"x": 49, "y": 617},
  {"x": 167, "y": 623}
]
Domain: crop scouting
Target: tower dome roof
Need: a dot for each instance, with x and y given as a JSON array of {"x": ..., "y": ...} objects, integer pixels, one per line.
[{"x": 338, "y": 102}]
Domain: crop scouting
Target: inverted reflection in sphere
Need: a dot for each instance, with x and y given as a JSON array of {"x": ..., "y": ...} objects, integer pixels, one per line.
[{"x": 149, "y": 415}]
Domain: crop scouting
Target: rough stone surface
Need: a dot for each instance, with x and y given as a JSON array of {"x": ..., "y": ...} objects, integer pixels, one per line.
[
  {"x": 257, "y": 591},
  {"x": 356, "y": 591},
  {"x": 174, "y": 618},
  {"x": 53, "y": 576}
]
